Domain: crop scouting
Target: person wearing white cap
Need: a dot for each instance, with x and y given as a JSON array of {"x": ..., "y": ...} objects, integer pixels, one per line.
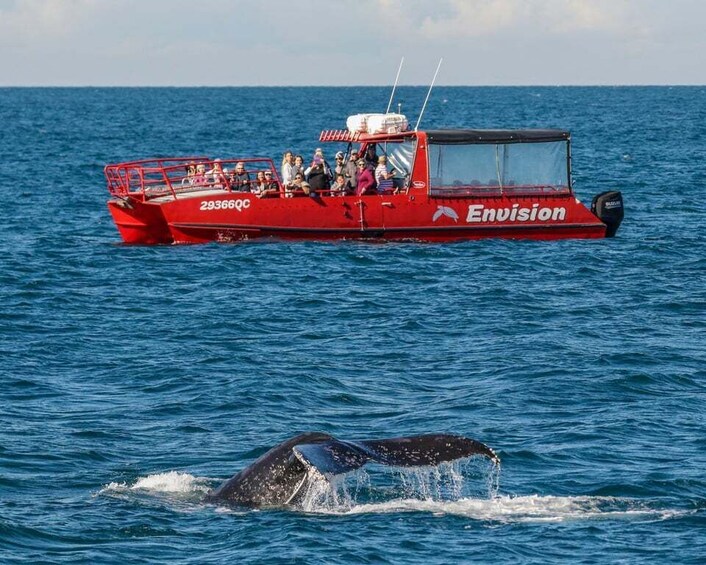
[
  {"x": 216, "y": 176},
  {"x": 340, "y": 166}
]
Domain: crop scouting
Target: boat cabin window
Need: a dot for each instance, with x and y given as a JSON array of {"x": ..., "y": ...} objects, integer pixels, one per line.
[
  {"x": 400, "y": 156},
  {"x": 492, "y": 168}
]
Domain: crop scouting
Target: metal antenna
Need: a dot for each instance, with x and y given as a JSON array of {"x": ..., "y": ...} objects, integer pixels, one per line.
[
  {"x": 394, "y": 87},
  {"x": 428, "y": 94}
]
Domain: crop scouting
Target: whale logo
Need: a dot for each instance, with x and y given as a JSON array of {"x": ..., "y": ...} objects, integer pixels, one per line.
[{"x": 445, "y": 211}]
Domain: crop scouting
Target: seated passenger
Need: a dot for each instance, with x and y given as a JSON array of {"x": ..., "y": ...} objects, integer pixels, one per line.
[
  {"x": 216, "y": 176},
  {"x": 271, "y": 188},
  {"x": 190, "y": 173},
  {"x": 200, "y": 176},
  {"x": 295, "y": 186},
  {"x": 365, "y": 180},
  {"x": 383, "y": 177},
  {"x": 338, "y": 188},
  {"x": 240, "y": 179},
  {"x": 260, "y": 184}
]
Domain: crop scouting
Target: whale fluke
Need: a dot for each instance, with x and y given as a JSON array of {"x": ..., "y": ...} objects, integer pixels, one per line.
[{"x": 275, "y": 478}]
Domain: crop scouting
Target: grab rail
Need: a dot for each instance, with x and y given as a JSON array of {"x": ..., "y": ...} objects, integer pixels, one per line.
[{"x": 156, "y": 178}]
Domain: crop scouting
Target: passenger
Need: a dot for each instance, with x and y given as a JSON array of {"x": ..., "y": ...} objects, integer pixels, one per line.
[
  {"x": 287, "y": 168},
  {"x": 339, "y": 186},
  {"x": 383, "y": 177},
  {"x": 318, "y": 174},
  {"x": 240, "y": 180},
  {"x": 216, "y": 176},
  {"x": 299, "y": 165},
  {"x": 200, "y": 176},
  {"x": 320, "y": 154},
  {"x": 295, "y": 186},
  {"x": 366, "y": 180},
  {"x": 271, "y": 187},
  {"x": 351, "y": 171},
  {"x": 190, "y": 174},
  {"x": 260, "y": 184},
  {"x": 340, "y": 165},
  {"x": 371, "y": 158}
]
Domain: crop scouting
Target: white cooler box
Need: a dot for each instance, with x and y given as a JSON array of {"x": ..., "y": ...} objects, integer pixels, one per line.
[
  {"x": 377, "y": 123},
  {"x": 358, "y": 123},
  {"x": 387, "y": 123}
]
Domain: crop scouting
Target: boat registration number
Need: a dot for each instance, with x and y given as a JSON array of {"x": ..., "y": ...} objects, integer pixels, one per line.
[{"x": 239, "y": 204}]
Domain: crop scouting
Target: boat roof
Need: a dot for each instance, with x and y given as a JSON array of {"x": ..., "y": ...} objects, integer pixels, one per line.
[{"x": 451, "y": 136}]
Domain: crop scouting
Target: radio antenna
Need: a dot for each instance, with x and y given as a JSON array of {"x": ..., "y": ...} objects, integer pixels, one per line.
[
  {"x": 394, "y": 87},
  {"x": 428, "y": 94}
]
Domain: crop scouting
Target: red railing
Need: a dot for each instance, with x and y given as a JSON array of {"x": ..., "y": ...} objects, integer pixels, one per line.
[
  {"x": 339, "y": 135},
  {"x": 156, "y": 178}
]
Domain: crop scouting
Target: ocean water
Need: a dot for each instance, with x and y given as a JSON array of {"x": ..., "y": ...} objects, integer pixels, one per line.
[{"x": 134, "y": 379}]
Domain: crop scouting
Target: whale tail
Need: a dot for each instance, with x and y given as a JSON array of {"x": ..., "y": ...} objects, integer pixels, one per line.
[
  {"x": 277, "y": 477},
  {"x": 335, "y": 457}
]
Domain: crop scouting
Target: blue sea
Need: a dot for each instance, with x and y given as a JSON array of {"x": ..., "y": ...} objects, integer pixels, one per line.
[{"x": 133, "y": 379}]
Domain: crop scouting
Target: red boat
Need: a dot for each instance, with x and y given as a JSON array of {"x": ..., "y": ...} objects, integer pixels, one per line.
[{"x": 449, "y": 185}]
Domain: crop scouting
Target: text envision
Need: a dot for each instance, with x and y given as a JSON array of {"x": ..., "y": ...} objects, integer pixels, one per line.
[{"x": 478, "y": 213}]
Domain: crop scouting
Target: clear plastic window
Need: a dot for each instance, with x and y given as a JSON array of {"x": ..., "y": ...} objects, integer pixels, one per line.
[{"x": 533, "y": 166}]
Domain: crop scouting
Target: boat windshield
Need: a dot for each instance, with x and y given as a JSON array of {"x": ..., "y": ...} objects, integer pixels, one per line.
[
  {"x": 498, "y": 167},
  {"x": 400, "y": 155}
]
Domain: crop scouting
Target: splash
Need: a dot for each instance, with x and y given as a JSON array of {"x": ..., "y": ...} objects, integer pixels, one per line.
[
  {"x": 467, "y": 488},
  {"x": 378, "y": 484},
  {"x": 170, "y": 482},
  {"x": 527, "y": 509}
]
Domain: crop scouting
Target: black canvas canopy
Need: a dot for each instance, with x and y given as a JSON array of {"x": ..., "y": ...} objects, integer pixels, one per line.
[{"x": 459, "y": 136}]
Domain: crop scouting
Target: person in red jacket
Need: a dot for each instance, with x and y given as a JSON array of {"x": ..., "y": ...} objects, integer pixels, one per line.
[{"x": 365, "y": 180}]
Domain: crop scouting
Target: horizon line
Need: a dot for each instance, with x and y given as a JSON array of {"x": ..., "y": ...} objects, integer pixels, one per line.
[{"x": 519, "y": 85}]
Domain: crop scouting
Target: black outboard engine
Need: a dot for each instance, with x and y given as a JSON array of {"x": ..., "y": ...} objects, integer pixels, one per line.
[{"x": 608, "y": 207}]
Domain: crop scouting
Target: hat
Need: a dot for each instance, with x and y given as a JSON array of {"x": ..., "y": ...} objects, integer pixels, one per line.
[{"x": 340, "y": 155}]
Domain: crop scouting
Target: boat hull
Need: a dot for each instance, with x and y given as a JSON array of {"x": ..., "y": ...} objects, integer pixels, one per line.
[
  {"x": 140, "y": 222},
  {"x": 230, "y": 216}
]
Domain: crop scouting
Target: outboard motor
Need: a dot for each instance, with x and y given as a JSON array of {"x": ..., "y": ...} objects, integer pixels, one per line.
[{"x": 608, "y": 207}]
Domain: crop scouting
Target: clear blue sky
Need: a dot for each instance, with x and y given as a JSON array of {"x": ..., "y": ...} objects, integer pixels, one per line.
[{"x": 331, "y": 42}]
